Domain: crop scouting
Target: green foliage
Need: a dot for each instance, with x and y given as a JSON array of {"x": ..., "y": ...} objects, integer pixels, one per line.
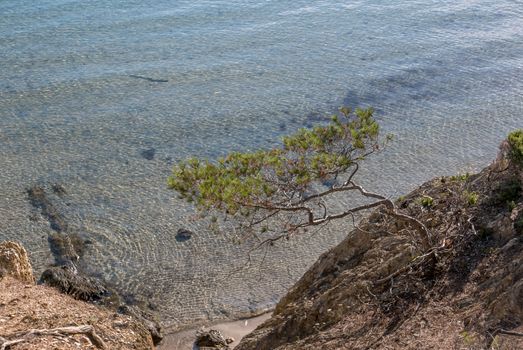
[
  {"x": 471, "y": 197},
  {"x": 468, "y": 338},
  {"x": 241, "y": 183},
  {"x": 515, "y": 140},
  {"x": 507, "y": 192},
  {"x": 460, "y": 177},
  {"x": 426, "y": 201}
]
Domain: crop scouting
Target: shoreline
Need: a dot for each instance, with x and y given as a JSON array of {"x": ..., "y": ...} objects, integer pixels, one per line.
[
  {"x": 236, "y": 316},
  {"x": 184, "y": 339}
]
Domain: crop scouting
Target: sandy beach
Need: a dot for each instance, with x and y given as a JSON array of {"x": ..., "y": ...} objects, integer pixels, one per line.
[{"x": 236, "y": 329}]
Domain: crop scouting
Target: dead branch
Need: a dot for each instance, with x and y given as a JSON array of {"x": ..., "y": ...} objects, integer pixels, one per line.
[
  {"x": 394, "y": 212},
  {"x": 415, "y": 262},
  {"x": 515, "y": 334},
  {"x": 24, "y": 336}
]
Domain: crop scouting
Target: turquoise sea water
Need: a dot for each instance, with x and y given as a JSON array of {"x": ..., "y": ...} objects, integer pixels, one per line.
[{"x": 103, "y": 97}]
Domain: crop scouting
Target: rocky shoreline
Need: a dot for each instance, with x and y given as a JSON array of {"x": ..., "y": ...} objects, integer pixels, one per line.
[
  {"x": 61, "y": 299},
  {"x": 380, "y": 288}
]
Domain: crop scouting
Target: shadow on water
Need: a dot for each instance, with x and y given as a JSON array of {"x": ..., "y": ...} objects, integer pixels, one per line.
[{"x": 400, "y": 87}]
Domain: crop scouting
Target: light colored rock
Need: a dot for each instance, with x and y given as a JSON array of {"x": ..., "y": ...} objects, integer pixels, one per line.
[{"x": 14, "y": 262}]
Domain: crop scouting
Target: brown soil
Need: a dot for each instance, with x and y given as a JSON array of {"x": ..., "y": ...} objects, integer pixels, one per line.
[
  {"x": 25, "y": 306},
  {"x": 382, "y": 289}
]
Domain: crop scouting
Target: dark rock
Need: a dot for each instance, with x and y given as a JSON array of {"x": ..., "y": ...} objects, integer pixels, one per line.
[
  {"x": 211, "y": 339},
  {"x": 67, "y": 280},
  {"x": 183, "y": 235},
  {"x": 148, "y": 153},
  {"x": 65, "y": 247},
  {"x": 58, "y": 189}
]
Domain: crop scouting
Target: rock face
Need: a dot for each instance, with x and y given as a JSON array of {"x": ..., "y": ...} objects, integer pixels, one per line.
[
  {"x": 380, "y": 289},
  {"x": 14, "y": 262}
]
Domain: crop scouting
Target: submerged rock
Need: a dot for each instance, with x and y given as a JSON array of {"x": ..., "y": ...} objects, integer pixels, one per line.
[
  {"x": 148, "y": 153},
  {"x": 39, "y": 200},
  {"x": 183, "y": 235},
  {"x": 67, "y": 280}
]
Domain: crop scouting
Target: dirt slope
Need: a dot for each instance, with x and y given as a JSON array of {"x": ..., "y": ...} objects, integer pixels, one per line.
[
  {"x": 380, "y": 289},
  {"x": 37, "y": 317},
  {"x": 27, "y": 306}
]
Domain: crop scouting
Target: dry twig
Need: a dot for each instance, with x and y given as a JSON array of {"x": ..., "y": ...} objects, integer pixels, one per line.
[{"x": 54, "y": 332}]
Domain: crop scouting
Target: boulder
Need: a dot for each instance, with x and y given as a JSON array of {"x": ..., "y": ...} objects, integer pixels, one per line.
[
  {"x": 14, "y": 262},
  {"x": 67, "y": 280},
  {"x": 211, "y": 339}
]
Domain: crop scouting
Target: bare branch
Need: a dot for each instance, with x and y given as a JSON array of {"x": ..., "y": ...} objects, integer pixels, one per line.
[
  {"x": 322, "y": 205},
  {"x": 352, "y": 174},
  {"x": 332, "y": 190},
  {"x": 55, "y": 332},
  {"x": 394, "y": 212},
  {"x": 345, "y": 213},
  {"x": 515, "y": 334}
]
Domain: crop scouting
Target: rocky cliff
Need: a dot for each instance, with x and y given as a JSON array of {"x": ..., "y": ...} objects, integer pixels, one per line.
[{"x": 381, "y": 288}]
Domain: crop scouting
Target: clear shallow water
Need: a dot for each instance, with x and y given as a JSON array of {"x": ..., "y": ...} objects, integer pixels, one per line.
[{"x": 445, "y": 76}]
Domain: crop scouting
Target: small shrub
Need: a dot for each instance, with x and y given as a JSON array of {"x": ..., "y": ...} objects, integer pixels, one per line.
[
  {"x": 507, "y": 192},
  {"x": 468, "y": 338},
  {"x": 460, "y": 177},
  {"x": 472, "y": 197},
  {"x": 427, "y": 201},
  {"x": 515, "y": 140}
]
